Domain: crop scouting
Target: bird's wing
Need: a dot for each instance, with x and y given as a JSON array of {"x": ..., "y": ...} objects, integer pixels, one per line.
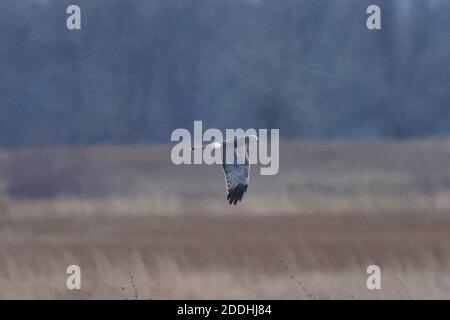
[{"x": 236, "y": 176}]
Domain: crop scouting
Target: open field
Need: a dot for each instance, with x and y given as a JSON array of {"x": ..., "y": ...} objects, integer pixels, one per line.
[{"x": 140, "y": 227}]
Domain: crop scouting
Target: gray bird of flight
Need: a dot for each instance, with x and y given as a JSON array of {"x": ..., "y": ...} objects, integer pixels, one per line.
[{"x": 236, "y": 174}]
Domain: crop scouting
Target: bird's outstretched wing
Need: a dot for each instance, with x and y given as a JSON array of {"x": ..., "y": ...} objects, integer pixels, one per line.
[{"x": 236, "y": 176}]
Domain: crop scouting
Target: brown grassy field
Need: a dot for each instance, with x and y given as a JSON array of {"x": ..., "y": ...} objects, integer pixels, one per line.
[{"x": 140, "y": 227}]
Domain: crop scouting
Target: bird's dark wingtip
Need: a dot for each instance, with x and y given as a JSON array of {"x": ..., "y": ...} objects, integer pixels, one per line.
[{"x": 236, "y": 195}]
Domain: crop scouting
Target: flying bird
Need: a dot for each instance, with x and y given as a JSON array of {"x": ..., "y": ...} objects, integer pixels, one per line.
[{"x": 236, "y": 174}]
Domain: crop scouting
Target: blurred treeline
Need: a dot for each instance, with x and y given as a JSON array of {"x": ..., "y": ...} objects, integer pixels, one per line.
[{"x": 139, "y": 69}]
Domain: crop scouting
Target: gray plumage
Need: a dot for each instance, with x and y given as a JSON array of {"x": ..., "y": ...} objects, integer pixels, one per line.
[{"x": 236, "y": 174}]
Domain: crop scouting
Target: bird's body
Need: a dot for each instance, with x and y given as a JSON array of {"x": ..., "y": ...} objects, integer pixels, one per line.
[
  {"x": 236, "y": 175},
  {"x": 237, "y": 171}
]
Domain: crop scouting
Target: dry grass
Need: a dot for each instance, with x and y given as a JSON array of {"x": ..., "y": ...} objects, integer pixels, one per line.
[{"x": 139, "y": 226}]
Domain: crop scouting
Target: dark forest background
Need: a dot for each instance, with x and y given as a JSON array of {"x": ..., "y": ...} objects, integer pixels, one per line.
[{"x": 139, "y": 69}]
